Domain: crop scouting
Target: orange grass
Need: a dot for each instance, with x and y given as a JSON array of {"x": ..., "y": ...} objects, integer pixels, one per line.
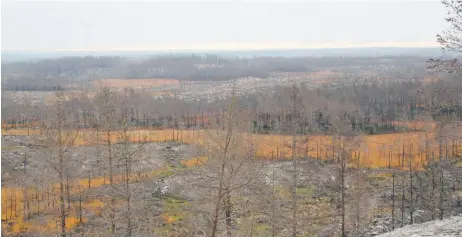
[
  {"x": 19, "y": 132},
  {"x": 373, "y": 150},
  {"x": 13, "y": 201},
  {"x": 169, "y": 218},
  {"x": 19, "y": 125}
]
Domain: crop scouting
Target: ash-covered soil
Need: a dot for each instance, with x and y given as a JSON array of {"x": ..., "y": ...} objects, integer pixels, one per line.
[
  {"x": 368, "y": 192},
  {"x": 440, "y": 228},
  {"x": 21, "y": 154}
]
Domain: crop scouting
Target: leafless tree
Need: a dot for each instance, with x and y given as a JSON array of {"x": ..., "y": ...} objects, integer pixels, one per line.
[
  {"x": 59, "y": 141},
  {"x": 451, "y": 39},
  {"x": 227, "y": 171}
]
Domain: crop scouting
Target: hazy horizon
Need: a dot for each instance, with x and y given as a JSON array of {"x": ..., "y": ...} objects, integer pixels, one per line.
[{"x": 218, "y": 25}]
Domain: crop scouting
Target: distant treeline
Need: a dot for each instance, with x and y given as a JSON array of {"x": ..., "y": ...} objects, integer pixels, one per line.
[
  {"x": 368, "y": 108},
  {"x": 44, "y": 74}
]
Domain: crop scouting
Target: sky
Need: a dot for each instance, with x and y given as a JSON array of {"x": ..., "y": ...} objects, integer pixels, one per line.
[{"x": 239, "y": 24}]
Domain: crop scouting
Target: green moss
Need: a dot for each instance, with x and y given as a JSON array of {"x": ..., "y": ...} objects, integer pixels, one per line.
[
  {"x": 305, "y": 191},
  {"x": 379, "y": 177},
  {"x": 262, "y": 227},
  {"x": 458, "y": 164},
  {"x": 8, "y": 148},
  {"x": 166, "y": 173},
  {"x": 180, "y": 167},
  {"x": 325, "y": 199},
  {"x": 174, "y": 203}
]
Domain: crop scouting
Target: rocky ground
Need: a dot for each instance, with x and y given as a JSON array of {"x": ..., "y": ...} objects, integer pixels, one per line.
[
  {"x": 86, "y": 160},
  {"x": 440, "y": 228}
]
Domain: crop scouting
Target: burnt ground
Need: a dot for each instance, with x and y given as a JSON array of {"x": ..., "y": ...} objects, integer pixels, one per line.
[
  {"x": 84, "y": 161},
  {"x": 368, "y": 195},
  {"x": 180, "y": 191}
]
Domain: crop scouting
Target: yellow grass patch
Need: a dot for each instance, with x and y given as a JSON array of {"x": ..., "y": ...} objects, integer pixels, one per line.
[{"x": 19, "y": 132}]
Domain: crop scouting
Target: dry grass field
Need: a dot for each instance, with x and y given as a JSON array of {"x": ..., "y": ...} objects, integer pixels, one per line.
[{"x": 374, "y": 151}]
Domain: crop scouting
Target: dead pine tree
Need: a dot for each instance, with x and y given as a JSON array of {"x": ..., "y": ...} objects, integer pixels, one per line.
[
  {"x": 403, "y": 190},
  {"x": 80, "y": 206},
  {"x": 107, "y": 111},
  {"x": 346, "y": 144},
  {"x": 273, "y": 201},
  {"x": 127, "y": 156},
  {"x": 393, "y": 175},
  {"x": 59, "y": 143},
  {"x": 297, "y": 142},
  {"x": 228, "y": 170},
  {"x": 441, "y": 198},
  {"x": 411, "y": 201},
  {"x": 359, "y": 192},
  {"x": 295, "y": 106},
  {"x": 342, "y": 188},
  {"x": 25, "y": 200}
]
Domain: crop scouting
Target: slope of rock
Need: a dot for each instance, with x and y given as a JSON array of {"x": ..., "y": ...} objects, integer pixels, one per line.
[{"x": 440, "y": 228}]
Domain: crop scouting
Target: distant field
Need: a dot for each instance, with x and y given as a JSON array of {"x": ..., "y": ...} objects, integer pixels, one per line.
[{"x": 126, "y": 83}]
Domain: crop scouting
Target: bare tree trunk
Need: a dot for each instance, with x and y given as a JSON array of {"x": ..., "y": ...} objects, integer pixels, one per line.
[
  {"x": 25, "y": 189},
  {"x": 393, "y": 201},
  {"x": 441, "y": 195},
  {"x": 273, "y": 203},
  {"x": 220, "y": 191},
  {"x": 294, "y": 189},
  {"x": 61, "y": 175},
  {"x": 403, "y": 192},
  {"x": 342, "y": 187},
  {"x": 80, "y": 208},
  {"x": 227, "y": 204},
  {"x": 433, "y": 186},
  {"x": 128, "y": 165},
  {"x": 68, "y": 194},
  {"x": 294, "y": 162},
  {"x": 217, "y": 202},
  {"x": 111, "y": 181},
  {"x": 411, "y": 202}
]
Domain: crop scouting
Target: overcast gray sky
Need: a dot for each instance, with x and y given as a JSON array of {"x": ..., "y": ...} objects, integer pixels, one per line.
[{"x": 110, "y": 25}]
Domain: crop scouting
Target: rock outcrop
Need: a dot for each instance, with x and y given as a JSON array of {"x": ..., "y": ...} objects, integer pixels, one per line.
[{"x": 440, "y": 228}]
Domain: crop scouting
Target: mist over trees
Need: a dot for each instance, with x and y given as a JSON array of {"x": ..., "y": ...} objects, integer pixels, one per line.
[{"x": 44, "y": 75}]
